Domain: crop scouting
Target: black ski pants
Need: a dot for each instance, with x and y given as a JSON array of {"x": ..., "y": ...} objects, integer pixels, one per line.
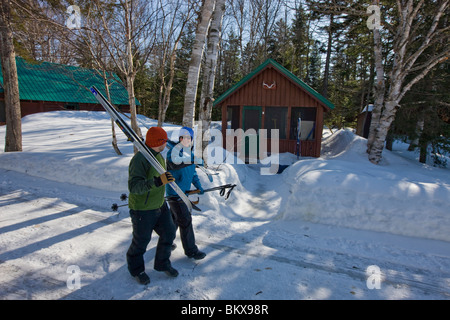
[
  {"x": 144, "y": 222},
  {"x": 183, "y": 220}
]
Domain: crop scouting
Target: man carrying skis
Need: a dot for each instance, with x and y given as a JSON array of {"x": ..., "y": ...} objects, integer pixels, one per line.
[
  {"x": 148, "y": 209},
  {"x": 180, "y": 163}
]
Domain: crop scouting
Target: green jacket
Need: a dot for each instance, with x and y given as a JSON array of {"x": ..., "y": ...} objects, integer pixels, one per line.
[{"x": 144, "y": 195}]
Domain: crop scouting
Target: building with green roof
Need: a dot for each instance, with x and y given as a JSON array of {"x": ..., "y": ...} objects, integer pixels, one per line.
[
  {"x": 271, "y": 97},
  {"x": 49, "y": 86}
]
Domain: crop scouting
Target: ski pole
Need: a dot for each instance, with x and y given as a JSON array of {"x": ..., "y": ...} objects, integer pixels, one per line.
[
  {"x": 221, "y": 188},
  {"x": 124, "y": 197},
  {"x": 116, "y": 207}
]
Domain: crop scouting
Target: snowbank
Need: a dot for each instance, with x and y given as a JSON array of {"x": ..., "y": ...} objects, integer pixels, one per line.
[
  {"x": 74, "y": 147},
  {"x": 343, "y": 188}
]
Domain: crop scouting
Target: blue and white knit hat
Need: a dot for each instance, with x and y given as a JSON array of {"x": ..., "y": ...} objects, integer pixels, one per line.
[{"x": 185, "y": 131}]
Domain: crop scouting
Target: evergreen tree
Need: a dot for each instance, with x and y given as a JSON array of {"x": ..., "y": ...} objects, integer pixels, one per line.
[
  {"x": 302, "y": 44},
  {"x": 280, "y": 44},
  {"x": 314, "y": 73},
  {"x": 229, "y": 71},
  {"x": 425, "y": 120}
]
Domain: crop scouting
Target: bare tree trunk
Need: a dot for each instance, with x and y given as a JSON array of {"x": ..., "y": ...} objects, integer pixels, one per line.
[
  {"x": 166, "y": 89},
  {"x": 132, "y": 103},
  {"x": 13, "y": 139},
  {"x": 327, "y": 61},
  {"x": 423, "y": 139},
  {"x": 131, "y": 72},
  {"x": 113, "y": 130},
  {"x": 419, "y": 128},
  {"x": 207, "y": 95},
  {"x": 196, "y": 59},
  {"x": 379, "y": 88}
]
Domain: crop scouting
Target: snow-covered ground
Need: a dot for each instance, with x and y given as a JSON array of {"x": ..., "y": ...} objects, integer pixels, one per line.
[{"x": 336, "y": 227}]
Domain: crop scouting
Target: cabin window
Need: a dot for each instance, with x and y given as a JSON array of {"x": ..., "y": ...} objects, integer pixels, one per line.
[
  {"x": 308, "y": 123},
  {"x": 233, "y": 117},
  {"x": 276, "y": 118}
]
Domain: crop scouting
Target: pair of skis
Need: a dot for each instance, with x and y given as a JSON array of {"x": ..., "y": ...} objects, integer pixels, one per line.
[{"x": 138, "y": 143}]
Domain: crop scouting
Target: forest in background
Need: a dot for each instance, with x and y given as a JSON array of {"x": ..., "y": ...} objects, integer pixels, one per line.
[{"x": 327, "y": 44}]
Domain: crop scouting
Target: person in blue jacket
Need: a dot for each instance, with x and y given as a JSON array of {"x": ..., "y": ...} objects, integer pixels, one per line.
[{"x": 181, "y": 164}]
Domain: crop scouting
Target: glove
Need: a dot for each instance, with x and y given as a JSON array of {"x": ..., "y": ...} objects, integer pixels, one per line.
[
  {"x": 164, "y": 179},
  {"x": 201, "y": 190}
]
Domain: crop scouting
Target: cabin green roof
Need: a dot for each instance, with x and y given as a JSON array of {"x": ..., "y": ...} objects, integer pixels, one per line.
[
  {"x": 45, "y": 81},
  {"x": 283, "y": 70}
]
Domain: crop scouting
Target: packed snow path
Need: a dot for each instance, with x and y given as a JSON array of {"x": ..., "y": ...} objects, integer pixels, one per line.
[
  {"x": 48, "y": 230},
  {"x": 309, "y": 233}
]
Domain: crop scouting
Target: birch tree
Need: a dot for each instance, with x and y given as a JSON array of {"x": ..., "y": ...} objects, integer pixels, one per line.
[
  {"x": 209, "y": 70},
  {"x": 204, "y": 20},
  {"x": 421, "y": 24},
  {"x": 13, "y": 139}
]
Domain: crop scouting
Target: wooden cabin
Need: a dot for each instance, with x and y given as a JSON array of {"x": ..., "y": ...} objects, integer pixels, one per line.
[
  {"x": 271, "y": 97},
  {"x": 50, "y": 86}
]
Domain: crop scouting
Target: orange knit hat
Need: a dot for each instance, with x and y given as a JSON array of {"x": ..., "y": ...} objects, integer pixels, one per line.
[{"x": 155, "y": 137}]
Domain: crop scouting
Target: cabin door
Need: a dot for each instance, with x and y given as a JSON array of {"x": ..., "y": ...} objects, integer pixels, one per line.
[{"x": 251, "y": 120}]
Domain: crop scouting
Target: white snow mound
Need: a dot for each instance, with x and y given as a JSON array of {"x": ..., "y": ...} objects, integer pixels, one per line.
[{"x": 343, "y": 188}]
